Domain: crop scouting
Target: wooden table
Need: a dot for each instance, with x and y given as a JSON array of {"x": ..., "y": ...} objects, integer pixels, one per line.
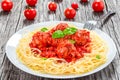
[{"x": 15, "y": 20}]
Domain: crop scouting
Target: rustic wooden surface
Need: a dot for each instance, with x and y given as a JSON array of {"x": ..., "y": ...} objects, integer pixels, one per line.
[{"x": 15, "y": 20}]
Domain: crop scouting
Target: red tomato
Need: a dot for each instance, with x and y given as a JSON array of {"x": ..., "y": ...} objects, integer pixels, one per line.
[
  {"x": 31, "y": 2},
  {"x": 74, "y": 5},
  {"x": 98, "y": 5},
  {"x": 7, "y": 5},
  {"x": 69, "y": 13},
  {"x": 30, "y": 14},
  {"x": 52, "y": 6},
  {"x": 84, "y": 0}
]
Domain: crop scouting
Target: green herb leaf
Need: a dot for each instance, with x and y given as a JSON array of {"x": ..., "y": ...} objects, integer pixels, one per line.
[
  {"x": 98, "y": 56},
  {"x": 44, "y": 29},
  {"x": 72, "y": 41},
  {"x": 58, "y": 34},
  {"x": 44, "y": 58},
  {"x": 70, "y": 30}
]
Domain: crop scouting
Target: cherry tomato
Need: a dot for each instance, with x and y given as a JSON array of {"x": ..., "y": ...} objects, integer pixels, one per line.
[
  {"x": 52, "y": 6},
  {"x": 30, "y": 14},
  {"x": 98, "y": 5},
  {"x": 69, "y": 13},
  {"x": 7, "y": 5},
  {"x": 74, "y": 5},
  {"x": 84, "y": 0},
  {"x": 31, "y": 2}
]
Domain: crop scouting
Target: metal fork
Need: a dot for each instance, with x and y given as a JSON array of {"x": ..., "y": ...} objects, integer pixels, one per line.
[{"x": 90, "y": 25}]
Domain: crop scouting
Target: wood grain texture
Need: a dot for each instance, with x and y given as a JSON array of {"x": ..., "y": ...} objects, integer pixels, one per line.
[{"x": 15, "y": 20}]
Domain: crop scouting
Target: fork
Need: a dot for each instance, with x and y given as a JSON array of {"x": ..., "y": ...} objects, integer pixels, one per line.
[{"x": 90, "y": 25}]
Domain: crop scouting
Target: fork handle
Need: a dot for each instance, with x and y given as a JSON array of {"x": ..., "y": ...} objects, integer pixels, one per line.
[{"x": 106, "y": 15}]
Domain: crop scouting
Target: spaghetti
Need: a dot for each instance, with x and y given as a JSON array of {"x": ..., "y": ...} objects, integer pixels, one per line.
[{"x": 34, "y": 59}]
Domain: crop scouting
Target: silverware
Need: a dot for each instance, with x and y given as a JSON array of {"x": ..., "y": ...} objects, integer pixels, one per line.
[{"x": 90, "y": 25}]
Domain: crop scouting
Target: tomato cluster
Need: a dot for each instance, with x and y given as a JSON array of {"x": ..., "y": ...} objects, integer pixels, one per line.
[
  {"x": 29, "y": 12},
  {"x": 70, "y": 12},
  {"x": 42, "y": 43}
]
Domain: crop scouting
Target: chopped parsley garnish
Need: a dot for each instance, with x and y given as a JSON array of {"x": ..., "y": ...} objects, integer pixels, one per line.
[
  {"x": 98, "y": 56},
  {"x": 44, "y": 29},
  {"x": 44, "y": 58}
]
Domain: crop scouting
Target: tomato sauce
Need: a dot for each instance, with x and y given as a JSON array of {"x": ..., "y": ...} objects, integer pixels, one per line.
[{"x": 61, "y": 47}]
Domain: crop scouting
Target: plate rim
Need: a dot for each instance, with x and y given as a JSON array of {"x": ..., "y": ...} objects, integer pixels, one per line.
[{"x": 59, "y": 77}]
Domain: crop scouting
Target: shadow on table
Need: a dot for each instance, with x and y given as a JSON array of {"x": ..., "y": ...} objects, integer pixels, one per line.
[
  {"x": 28, "y": 22},
  {"x": 69, "y": 19},
  {"x": 4, "y": 13},
  {"x": 27, "y": 7},
  {"x": 98, "y": 13},
  {"x": 51, "y": 12},
  {"x": 84, "y": 3},
  {"x": 58, "y": 1}
]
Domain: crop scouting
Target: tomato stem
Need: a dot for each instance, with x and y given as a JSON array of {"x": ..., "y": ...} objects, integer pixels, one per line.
[{"x": 28, "y": 7}]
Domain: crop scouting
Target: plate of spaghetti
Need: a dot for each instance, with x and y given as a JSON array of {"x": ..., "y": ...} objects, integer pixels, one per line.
[{"x": 60, "y": 49}]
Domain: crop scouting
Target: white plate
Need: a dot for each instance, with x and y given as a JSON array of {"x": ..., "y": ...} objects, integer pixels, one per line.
[{"x": 14, "y": 40}]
